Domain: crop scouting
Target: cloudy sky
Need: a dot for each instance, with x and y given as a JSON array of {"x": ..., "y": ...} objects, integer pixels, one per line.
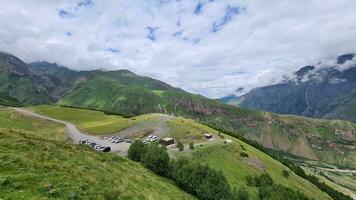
[{"x": 211, "y": 47}]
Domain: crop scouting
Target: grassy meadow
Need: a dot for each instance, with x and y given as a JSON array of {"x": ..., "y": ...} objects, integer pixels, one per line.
[{"x": 94, "y": 122}]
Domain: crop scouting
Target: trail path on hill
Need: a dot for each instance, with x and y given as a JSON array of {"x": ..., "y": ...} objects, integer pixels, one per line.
[{"x": 76, "y": 135}]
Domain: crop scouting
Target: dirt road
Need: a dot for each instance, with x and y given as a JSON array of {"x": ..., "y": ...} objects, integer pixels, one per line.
[{"x": 76, "y": 135}]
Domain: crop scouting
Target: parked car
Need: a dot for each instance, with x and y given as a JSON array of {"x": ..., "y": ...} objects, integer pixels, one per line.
[
  {"x": 118, "y": 140},
  {"x": 106, "y": 149},
  {"x": 83, "y": 141},
  {"x": 100, "y": 148},
  {"x": 112, "y": 138},
  {"x": 92, "y": 144}
]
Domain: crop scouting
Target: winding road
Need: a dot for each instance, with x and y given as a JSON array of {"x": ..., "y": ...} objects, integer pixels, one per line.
[{"x": 76, "y": 135}]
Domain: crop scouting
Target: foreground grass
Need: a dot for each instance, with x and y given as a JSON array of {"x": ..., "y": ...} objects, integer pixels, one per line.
[{"x": 38, "y": 163}]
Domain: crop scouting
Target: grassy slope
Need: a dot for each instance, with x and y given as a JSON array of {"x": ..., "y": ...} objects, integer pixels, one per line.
[
  {"x": 224, "y": 158},
  {"x": 331, "y": 183},
  {"x": 94, "y": 122},
  {"x": 187, "y": 130},
  {"x": 6, "y": 100},
  {"x": 345, "y": 179},
  {"x": 37, "y": 162},
  {"x": 287, "y": 133}
]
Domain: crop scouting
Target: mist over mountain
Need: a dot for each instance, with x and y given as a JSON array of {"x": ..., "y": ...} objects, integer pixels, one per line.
[{"x": 326, "y": 90}]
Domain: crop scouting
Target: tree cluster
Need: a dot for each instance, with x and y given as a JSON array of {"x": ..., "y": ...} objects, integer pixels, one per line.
[
  {"x": 152, "y": 156},
  {"x": 197, "y": 179},
  {"x": 268, "y": 190}
]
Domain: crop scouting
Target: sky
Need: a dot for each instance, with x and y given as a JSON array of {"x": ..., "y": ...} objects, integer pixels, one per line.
[{"x": 210, "y": 47}]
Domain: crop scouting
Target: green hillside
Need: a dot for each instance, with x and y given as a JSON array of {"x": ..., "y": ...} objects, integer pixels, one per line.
[
  {"x": 224, "y": 157},
  {"x": 38, "y": 162},
  {"x": 93, "y": 122},
  {"x": 346, "y": 110},
  {"x": 19, "y": 82},
  {"x": 323, "y": 140},
  {"x": 6, "y": 100},
  {"x": 227, "y": 158}
]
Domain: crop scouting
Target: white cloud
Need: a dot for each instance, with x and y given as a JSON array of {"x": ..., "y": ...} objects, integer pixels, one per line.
[{"x": 256, "y": 47}]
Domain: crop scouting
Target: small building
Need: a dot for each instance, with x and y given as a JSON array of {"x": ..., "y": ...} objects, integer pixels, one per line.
[
  {"x": 167, "y": 141},
  {"x": 228, "y": 141},
  {"x": 208, "y": 136}
]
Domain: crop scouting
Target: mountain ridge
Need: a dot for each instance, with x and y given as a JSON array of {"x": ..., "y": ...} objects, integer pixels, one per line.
[{"x": 321, "y": 92}]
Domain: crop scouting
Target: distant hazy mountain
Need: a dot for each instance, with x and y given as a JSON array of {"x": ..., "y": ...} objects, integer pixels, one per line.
[
  {"x": 123, "y": 92},
  {"x": 316, "y": 91}
]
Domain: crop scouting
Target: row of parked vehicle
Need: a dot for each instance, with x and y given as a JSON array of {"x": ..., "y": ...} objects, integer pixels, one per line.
[
  {"x": 95, "y": 146},
  {"x": 150, "y": 138},
  {"x": 115, "y": 139}
]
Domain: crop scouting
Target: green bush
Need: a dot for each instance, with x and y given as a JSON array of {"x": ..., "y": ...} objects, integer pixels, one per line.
[
  {"x": 243, "y": 154},
  {"x": 200, "y": 180},
  {"x": 250, "y": 180},
  {"x": 191, "y": 145},
  {"x": 240, "y": 194},
  {"x": 136, "y": 150},
  {"x": 155, "y": 158},
  {"x": 268, "y": 190},
  {"x": 180, "y": 146},
  {"x": 263, "y": 180},
  {"x": 280, "y": 192},
  {"x": 285, "y": 173}
]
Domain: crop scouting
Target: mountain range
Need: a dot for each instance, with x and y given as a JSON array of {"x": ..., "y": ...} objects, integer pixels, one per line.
[
  {"x": 322, "y": 91},
  {"x": 125, "y": 93}
]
